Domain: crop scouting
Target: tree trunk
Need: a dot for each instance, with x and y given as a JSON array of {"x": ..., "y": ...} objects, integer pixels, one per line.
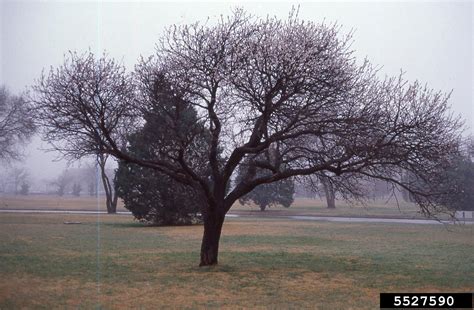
[
  {"x": 210, "y": 240},
  {"x": 109, "y": 199},
  {"x": 110, "y": 195},
  {"x": 331, "y": 200},
  {"x": 114, "y": 200},
  {"x": 329, "y": 192}
]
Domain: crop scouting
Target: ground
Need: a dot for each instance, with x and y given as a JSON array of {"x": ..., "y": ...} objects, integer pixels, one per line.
[
  {"x": 111, "y": 261},
  {"x": 301, "y": 206}
]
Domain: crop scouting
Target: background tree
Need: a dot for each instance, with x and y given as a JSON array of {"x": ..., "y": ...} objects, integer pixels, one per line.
[
  {"x": 90, "y": 177},
  {"x": 459, "y": 180},
  {"x": 16, "y": 124},
  {"x": 13, "y": 178},
  {"x": 289, "y": 85},
  {"x": 97, "y": 90},
  {"x": 154, "y": 197},
  {"x": 348, "y": 186},
  {"x": 18, "y": 176},
  {"x": 25, "y": 188},
  {"x": 379, "y": 189},
  {"x": 267, "y": 195},
  {"x": 408, "y": 178},
  {"x": 329, "y": 191},
  {"x": 61, "y": 182},
  {"x": 92, "y": 189},
  {"x": 470, "y": 147},
  {"x": 463, "y": 175},
  {"x": 76, "y": 189}
]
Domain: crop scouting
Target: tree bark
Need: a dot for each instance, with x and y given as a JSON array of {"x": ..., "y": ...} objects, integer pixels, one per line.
[
  {"x": 329, "y": 192},
  {"x": 210, "y": 241},
  {"x": 114, "y": 200},
  {"x": 331, "y": 200},
  {"x": 110, "y": 194}
]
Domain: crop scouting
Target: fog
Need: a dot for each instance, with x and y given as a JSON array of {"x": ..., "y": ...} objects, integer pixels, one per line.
[{"x": 430, "y": 41}]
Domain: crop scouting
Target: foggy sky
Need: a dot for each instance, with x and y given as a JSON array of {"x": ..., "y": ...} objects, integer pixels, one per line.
[{"x": 430, "y": 41}]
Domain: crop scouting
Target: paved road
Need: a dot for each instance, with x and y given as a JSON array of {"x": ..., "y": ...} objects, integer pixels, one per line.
[
  {"x": 355, "y": 219},
  {"x": 290, "y": 217}
]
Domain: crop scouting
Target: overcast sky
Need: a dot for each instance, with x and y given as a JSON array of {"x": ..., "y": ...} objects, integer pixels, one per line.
[{"x": 430, "y": 41}]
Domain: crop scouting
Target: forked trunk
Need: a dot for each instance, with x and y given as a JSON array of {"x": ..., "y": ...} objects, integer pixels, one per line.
[
  {"x": 111, "y": 198},
  {"x": 110, "y": 194},
  {"x": 111, "y": 203},
  {"x": 210, "y": 240}
]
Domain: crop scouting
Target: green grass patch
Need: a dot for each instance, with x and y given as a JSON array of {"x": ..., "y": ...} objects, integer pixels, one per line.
[{"x": 112, "y": 261}]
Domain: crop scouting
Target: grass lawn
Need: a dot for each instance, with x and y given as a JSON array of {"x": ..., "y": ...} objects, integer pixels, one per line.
[
  {"x": 114, "y": 262},
  {"x": 38, "y": 202},
  {"x": 317, "y": 207}
]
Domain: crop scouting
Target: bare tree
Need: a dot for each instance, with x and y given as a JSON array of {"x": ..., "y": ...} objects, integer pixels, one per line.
[
  {"x": 90, "y": 178},
  {"x": 25, "y": 188},
  {"x": 15, "y": 177},
  {"x": 349, "y": 186},
  {"x": 61, "y": 182},
  {"x": 76, "y": 189},
  {"x": 97, "y": 92},
  {"x": 16, "y": 124},
  {"x": 287, "y": 95},
  {"x": 20, "y": 176}
]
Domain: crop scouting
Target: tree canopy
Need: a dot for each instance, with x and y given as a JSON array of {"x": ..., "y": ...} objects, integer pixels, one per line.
[
  {"x": 153, "y": 197},
  {"x": 291, "y": 86},
  {"x": 16, "y": 124},
  {"x": 458, "y": 179}
]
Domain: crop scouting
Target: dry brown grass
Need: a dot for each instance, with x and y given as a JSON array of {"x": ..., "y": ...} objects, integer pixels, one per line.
[
  {"x": 31, "y": 292},
  {"x": 35, "y": 292},
  {"x": 39, "y": 202},
  {"x": 246, "y": 297}
]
